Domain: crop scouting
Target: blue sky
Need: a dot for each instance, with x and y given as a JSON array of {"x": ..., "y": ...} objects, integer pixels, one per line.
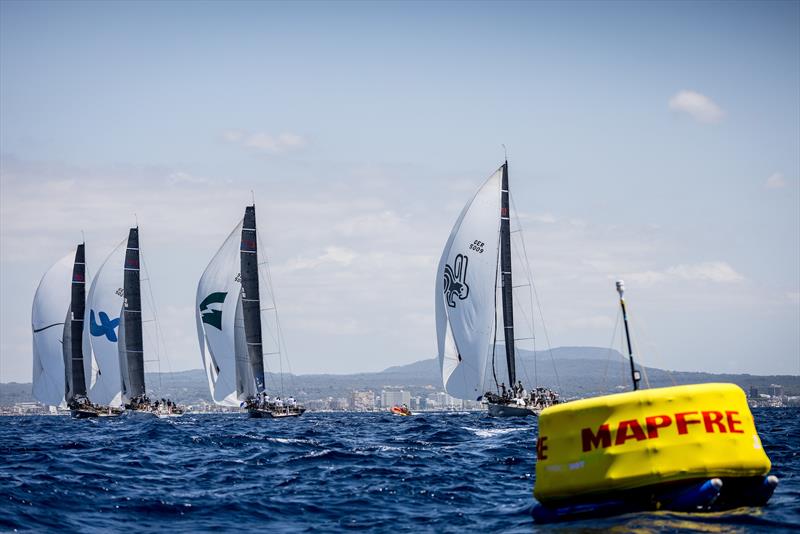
[{"x": 652, "y": 141}]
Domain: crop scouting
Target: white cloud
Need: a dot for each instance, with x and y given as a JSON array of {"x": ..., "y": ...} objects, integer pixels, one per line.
[
  {"x": 264, "y": 142},
  {"x": 384, "y": 223},
  {"x": 696, "y": 105},
  {"x": 233, "y": 136},
  {"x": 596, "y": 321},
  {"x": 775, "y": 181},
  {"x": 180, "y": 177},
  {"x": 333, "y": 255},
  {"x": 711, "y": 271}
]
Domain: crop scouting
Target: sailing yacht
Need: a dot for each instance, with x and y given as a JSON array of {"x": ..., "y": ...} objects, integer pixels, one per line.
[
  {"x": 477, "y": 254},
  {"x": 57, "y": 324},
  {"x": 229, "y": 326},
  {"x": 114, "y": 319}
]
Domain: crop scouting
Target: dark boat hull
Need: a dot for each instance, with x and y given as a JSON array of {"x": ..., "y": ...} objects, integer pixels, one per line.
[
  {"x": 84, "y": 414},
  {"x": 90, "y": 413},
  {"x": 262, "y": 413},
  {"x": 510, "y": 410}
]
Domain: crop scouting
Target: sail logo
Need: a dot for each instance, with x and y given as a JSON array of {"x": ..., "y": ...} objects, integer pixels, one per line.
[
  {"x": 213, "y": 315},
  {"x": 105, "y": 328},
  {"x": 455, "y": 280}
]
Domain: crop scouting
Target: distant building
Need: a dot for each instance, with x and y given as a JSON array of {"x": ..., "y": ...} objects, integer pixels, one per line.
[
  {"x": 317, "y": 404},
  {"x": 775, "y": 390},
  {"x": 362, "y": 401},
  {"x": 391, "y": 398},
  {"x": 340, "y": 404},
  {"x": 753, "y": 392},
  {"x": 443, "y": 401}
]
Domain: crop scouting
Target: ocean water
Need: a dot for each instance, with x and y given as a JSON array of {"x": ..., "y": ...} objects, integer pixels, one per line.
[{"x": 322, "y": 472}]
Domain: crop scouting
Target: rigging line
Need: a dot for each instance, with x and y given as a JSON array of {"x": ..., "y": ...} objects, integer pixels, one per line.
[
  {"x": 639, "y": 353},
  {"x": 530, "y": 322},
  {"x": 622, "y": 378},
  {"x": 160, "y": 339},
  {"x": 538, "y": 303},
  {"x": 610, "y": 348},
  {"x": 640, "y": 324},
  {"x": 281, "y": 341}
]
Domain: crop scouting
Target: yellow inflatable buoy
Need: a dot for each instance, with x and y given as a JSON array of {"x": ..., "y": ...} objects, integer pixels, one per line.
[{"x": 588, "y": 448}]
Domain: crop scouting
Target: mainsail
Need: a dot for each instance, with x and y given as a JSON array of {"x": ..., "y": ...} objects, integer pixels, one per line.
[
  {"x": 465, "y": 292},
  {"x": 50, "y": 308},
  {"x": 102, "y": 316},
  {"x": 251, "y": 303},
  {"x": 131, "y": 348},
  {"x": 73, "y": 329},
  {"x": 505, "y": 276}
]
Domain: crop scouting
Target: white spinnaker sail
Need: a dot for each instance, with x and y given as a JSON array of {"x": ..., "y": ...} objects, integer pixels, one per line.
[
  {"x": 218, "y": 295},
  {"x": 50, "y": 308},
  {"x": 103, "y": 312},
  {"x": 465, "y": 293}
]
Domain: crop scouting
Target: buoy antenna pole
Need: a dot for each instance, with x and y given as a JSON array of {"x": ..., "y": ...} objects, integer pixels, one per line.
[
  {"x": 505, "y": 153},
  {"x": 635, "y": 377},
  {"x": 253, "y": 197}
]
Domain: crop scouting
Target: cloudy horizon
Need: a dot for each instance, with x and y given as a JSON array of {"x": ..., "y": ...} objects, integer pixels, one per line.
[{"x": 657, "y": 143}]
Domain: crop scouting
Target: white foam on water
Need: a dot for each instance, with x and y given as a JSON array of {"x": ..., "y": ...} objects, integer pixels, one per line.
[{"x": 492, "y": 432}]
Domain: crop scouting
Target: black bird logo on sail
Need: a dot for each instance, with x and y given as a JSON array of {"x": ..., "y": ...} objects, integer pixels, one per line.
[
  {"x": 455, "y": 280},
  {"x": 213, "y": 316}
]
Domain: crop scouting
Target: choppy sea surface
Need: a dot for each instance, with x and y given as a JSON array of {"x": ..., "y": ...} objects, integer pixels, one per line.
[{"x": 324, "y": 472}]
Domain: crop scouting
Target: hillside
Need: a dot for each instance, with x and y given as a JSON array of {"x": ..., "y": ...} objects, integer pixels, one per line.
[{"x": 575, "y": 371}]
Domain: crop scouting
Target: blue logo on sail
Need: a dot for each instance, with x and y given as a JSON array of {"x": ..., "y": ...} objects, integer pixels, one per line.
[{"x": 105, "y": 328}]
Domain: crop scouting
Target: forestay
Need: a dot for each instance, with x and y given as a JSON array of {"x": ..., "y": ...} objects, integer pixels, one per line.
[
  {"x": 465, "y": 293},
  {"x": 50, "y": 308}
]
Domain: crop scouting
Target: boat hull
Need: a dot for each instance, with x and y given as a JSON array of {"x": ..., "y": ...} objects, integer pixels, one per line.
[
  {"x": 89, "y": 413},
  {"x": 261, "y": 413},
  {"x": 84, "y": 414},
  {"x": 132, "y": 412},
  {"x": 509, "y": 410}
]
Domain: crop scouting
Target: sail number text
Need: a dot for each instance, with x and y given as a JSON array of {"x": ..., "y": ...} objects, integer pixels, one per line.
[{"x": 477, "y": 246}]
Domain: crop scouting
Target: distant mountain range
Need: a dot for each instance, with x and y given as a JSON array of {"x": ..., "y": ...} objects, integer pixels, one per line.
[{"x": 574, "y": 371}]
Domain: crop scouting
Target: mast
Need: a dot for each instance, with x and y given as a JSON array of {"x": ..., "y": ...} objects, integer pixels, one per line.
[
  {"x": 251, "y": 304},
  {"x": 505, "y": 270},
  {"x": 76, "y": 381},
  {"x": 634, "y": 373},
  {"x": 132, "y": 317}
]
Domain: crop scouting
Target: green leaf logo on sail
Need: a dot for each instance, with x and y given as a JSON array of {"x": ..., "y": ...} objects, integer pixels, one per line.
[{"x": 211, "y": 309}]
